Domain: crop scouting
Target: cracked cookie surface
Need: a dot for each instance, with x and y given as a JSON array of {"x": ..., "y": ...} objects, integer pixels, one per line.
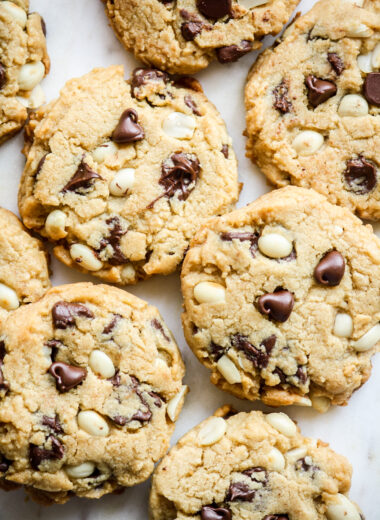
[
  {"x": 313, "y": 101},
  {"x": 251, "y": 466},
  {"x": 281, "y": 300},
  {"x": 184, "y": 36},
  {"x": 120, "y": 175},
  {"x": 91, "y": 387},
  {"x": 23, "y": 64}
]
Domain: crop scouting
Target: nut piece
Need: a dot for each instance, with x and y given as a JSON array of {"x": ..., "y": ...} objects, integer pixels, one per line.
[
  {"x": 295, "y": 454},
  {"x": 173, "y": 405},
  {"x": 55, "y": 224},
  {"x": 101, "y": 364},
  {"x": 228, "y": 370},
  {"x": 85, "y": 257},
  {"x": 34, "y": 100},
  {"x": 307, "y": 142},
  {"x": 105, "y": 150},
  {"x": 30, "y": 75},
  {"x": 93, "y": 423},
  {"x": 359, "y": 30},
  {"x": 321, "y": 404},
  {"x": 209, "y": 292},
  {"x": 376, "y": 57},
  {"x": 282, "y": 423},
  {"x": 8, "y": 298},
  {"x": 81, "y": 471},
  {"x": 275, "y": 245},
  {"x": 248, "y": 4},
  {"x": 368, "y": 340},
  {"x": 212, "y": 431},
  {"x": 122, "y": 182},
  {"x": 353, "y": 105},
  {"x": 365, "y": 62},
  {"x": 276, "y": 460},
  {"x": 343, "y": 325},
  {"x": 180, "y": 126},
  {"x": 342, "y": 509},
  {"x": 17, "y": 13}
]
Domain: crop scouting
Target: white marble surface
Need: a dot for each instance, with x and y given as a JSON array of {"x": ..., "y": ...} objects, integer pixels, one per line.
[{"x": 80, "y": 39}]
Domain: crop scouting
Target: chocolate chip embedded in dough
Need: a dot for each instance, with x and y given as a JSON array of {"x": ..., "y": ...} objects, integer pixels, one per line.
[
  {"x": 64, "y": 314},
  {"x": 371, "y": 88},
  {"x": 215, "y": 513},
  {"x": 215, "y": 9},
  {"x": 278, "y": 305},
  {"x": 128, "y": 130},
  {"x": 330, "y": 269},
  {"x": 82, "y": 178},
  {"x": 336, "y": 62},
  {"x": 319, "y": 90},
  {"x": 360, "y": 176},
  {"x": 67, "y": 376},
  {"x": 232, "y": 53}
]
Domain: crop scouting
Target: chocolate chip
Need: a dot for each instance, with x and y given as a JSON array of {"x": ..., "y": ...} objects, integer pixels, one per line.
[
  {"x": 64, "y": 314},
  {"x": 189, "y": 83},
  {"x": 179, "y": 173},
  {"x": 282, "y": 102},
  {"x": 82, "y": 178},
  {"x": 141, "y": 77},
  {"x": 128, "y": 129},
  {"x": 360, "y": 176},
  {"x": 278, "y": 305},
  {"x": 240, "y": 491},
  {"x": 259, "y": 357},
  {"x": 53, "y": 423},
  {"x": 281, "y": 374},
  {"x": 302, "y": 374},
  {"x": 116, "y": 379},
  {"x": 37, "y": 454},
  {"x": 232, "y": 53},
  {"x": 289, "y": 258},
  {"x": 276, "y": 517},
  {"x": 3, "y": 76},
  {"x": 253, "y": 474},
  {"x": 225, "y": 150},
  {"x": 215, "y": 513},
  {"x": 3, "y": 383},
  {"x": 112, "y": 324},
  {"x": 306, "y": 465},
  {"x": 67, "y": 376},
  {"x": 192, "y": 27},
  {"x": 4, "y": 464},
  {"x": 216, "y": 351},
  {"x": 2, "y": 350},
  {"x": 330, "y": 269},
  {"x": 189, "y": 101},
  {"x": 55, "y": 345},
  {"x": 142, "y": 416},
  {"x": 41, "y": 164},
  {"x": 158, "y": 326},
  {"x": 319, "y": 90},
  {"x": 215, "y": 9},
  {"x": 43, "y": 26},
  {"x": 336, "y": 62},
  {"x": 115, "y": 233},
  {"x": 157, "y": 399},
  {"x": 228, "y": 236},
  {"x": 371, "y": 88}
]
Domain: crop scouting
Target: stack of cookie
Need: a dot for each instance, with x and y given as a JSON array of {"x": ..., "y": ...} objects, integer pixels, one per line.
[{"x": 129, "y": 179}]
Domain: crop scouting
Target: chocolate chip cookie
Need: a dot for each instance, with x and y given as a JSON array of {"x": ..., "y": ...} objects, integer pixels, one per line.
[
  {"x": 252, "y": 466},
  {"x": 313, "y": 116},
  {"x": 23, "y": 64},
  {"x": 120, "y": 175},
  {"x": 281, "y": 300},
  {"x": 91, "y": 387},
  {"x": 184, "y": 36},
  {"x": 24, "y": 275}
]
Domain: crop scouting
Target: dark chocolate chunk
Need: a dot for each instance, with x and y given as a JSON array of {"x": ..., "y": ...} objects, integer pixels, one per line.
[
  {"x": 252, "y": 473},
  {"x": 303, "y": 465},
  {"x": 330, "y": 269},
  {"x": 242, "y": 236},
  {"x": 191, "y": 29},
  {"x": 336, "y": 62},
  {"x": 142, "y": 416},
  {"x": 128, "y": 129},
  {"x": 116, "y": 379},
  {"x": 4, "y": 464},
  {"x": 82, "y": 179},
  {"x": 319, "y": 90},
  {"x": 282, "y": 102},
  {"x": 189, "y": 101},
  {"x": 360, "y": 176},
  {"x": 215, "y": 513},
  {"x": 157, "y": 399},
  {"x": 115, "y": 233},
  {"x": 278, "y": 305},
  {"x": 67, "y": 376},
  {"x": 112, "y": 324},
  {"x": 141, "y": 77},
  {"x": 302, "y": 374},
  {"x": 240, "y": 491},
  {"x": 215, "y": 9},
  {"x": 225, "y": 150},
  {"x": 3, "y": 76},
  {"x": 371, "y": 88},
  {"x": 259, "y": 357},
  {"x": 64, "y": 314},
  {"x": 3, "y": 383},
  {"x": 276, "y": 517},
  {"x": 53, "y": 423},
  {"x": 41, "y": 164},
  {"x": 37, "y": 454},
  {"x": 281, "y": 374},
  {"x": 158, "y": 326},
  {"x": 232, "y": 53},
  {"x": 188, "y": 82},
  {"x": 216, "y": 351}
]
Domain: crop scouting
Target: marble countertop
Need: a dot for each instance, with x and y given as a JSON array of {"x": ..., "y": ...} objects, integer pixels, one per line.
[{"x": 79, "y": 39}]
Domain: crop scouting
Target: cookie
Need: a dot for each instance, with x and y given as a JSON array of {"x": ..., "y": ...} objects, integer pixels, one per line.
[
  {"x": 24, "y": 274},
  {"x": 184, "y": 36},
  {"x": 281, "y": 300},
  {"x": 23, "y": 64},
  {"x": 90, "y": 394},
  {"x": 313, "y": 117},
  {"x": 252, "y": 466},
  {"x": 120, "y": 175}
]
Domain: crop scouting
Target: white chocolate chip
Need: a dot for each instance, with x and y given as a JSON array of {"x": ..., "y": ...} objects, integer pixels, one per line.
[
  {"x": 209, "y": 292},
  {"x": 307, "y": 142},
  {"x": 85, "y": 257},
  {"x": 368, "y": 340},
  {"x": 359, "y": 30},
  {"x": 8, "y": 298},
  {"x": 320, "y": 403},
  {"x": 180, "y": 126},
  {"x": 282, "y": 423},
  {"x": 303, "y": 401},
  {"x": 105, "y": 150},
  {"x": 248, "y": 4},
  {"x": 55, "y": 224},
  {"x": 46, "y": 351},
  {"x": 212, "y": 431},
  {"x": 353, "y": 105},
  {"x": 365, "y": 62},
  {"x": 122, "y": 182},
  {"x": 295, "y": 454},
  {"x": 228, "y": 370},
  {"x": 376, "y": 57},
  {"x": 16, "y": 12},
  {"x": 81, "y": 471},
  {"x": 93, "y": 423},
  {"x": 342, "y": 509},
  {"x": 173, "y": 408},
  {"x": 101, "y": 364},
  {"x": 343, "y": 325},
  {"x": 275, "y": 460},
  {"x": 34, "y": 100},
  {"x": 30, "y": 75},
  {"x": 275, "y": 245}
]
